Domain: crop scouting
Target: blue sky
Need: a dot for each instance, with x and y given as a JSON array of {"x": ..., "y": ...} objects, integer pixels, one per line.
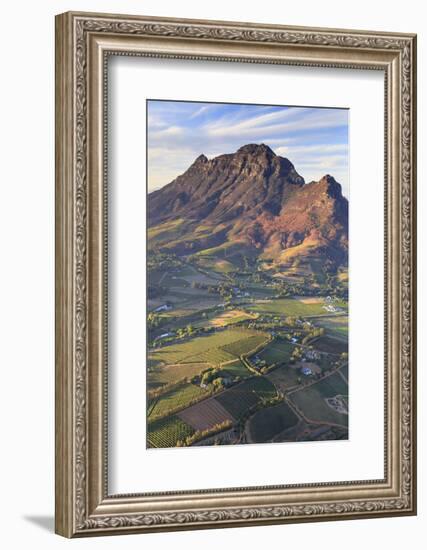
[{"x": 315, "y": 140}]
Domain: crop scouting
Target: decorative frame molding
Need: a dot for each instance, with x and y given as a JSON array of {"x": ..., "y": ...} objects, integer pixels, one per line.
[{"x": 83, "y": 43}]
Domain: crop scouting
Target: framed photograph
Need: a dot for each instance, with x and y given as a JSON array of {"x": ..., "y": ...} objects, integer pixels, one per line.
[{"x": 235, "y": 274}]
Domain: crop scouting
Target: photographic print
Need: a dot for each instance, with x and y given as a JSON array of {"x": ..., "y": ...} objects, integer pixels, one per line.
[{"x": 247, "y": 274}]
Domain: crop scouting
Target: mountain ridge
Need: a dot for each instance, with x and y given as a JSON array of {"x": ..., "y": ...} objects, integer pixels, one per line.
[{"x": 252, "y": 199}]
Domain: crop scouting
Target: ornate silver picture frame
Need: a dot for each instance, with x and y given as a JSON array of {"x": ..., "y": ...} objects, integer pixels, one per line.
[{"x": 84, "y": 42}]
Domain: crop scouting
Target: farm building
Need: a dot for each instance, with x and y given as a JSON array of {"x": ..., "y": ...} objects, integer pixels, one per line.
[
  {"x": 312, "y": 355},
  {"x": 164, "y": 307},
  {"x": 306, "y": 371},
  {"x": 165, "y": 335}
]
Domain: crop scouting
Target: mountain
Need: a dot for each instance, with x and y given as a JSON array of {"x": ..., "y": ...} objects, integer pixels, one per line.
[{"x": 251, "y": 202}]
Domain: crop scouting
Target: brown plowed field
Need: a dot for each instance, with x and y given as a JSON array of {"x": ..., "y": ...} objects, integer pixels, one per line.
[{"x": 205, "y": 414}]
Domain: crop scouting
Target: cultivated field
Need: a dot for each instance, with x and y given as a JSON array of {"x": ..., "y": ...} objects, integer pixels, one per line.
[
  {"x": 276, "y": 352},
  {"x": 284, "y": 378},
  {"x": 311, "y": 400},
  {"x": 178, "y": 397},
  {"x": 205, "y": 414},
  {"x": 167, "y": 432},
  {"x": 229, "y": 318},
  {"x": 336, "y": 326},
  {"x": 310, "y": 300},
  {"x": 214, "y": 356},
  {"x": 170, "y": 374},
  {"x": 238, "y": 399},
  {"x": 269, "y": 422},
  {"x": 245, "y": 345},
  {"x": 211, "y": 348},
  {"x": 290, "y": 307},
  {"x": 330, "y": 345},
  {"x": 236, "y": 368},
  {"x": 196, "y": 293}
]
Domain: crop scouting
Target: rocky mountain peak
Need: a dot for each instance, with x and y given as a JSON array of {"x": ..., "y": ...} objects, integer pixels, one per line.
[
  {"x": 201, "y": 159},
  {"x": 255, "y": 149},
  {"x": 256, "y": 197},
  {"x": 331, "y": 186}
]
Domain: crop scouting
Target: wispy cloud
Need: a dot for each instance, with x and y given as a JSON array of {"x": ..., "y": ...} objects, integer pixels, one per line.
[{"x": 314, "y": 139}]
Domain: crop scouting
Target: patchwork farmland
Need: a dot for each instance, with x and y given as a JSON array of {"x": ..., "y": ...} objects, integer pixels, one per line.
[
  {"x": 230, "y": 362},
  {"x": 215, "y": 348}
]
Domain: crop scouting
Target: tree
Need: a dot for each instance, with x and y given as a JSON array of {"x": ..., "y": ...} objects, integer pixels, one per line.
[
  {"x": 296, "y": 354},
  {"x": 218, "y": 383}
]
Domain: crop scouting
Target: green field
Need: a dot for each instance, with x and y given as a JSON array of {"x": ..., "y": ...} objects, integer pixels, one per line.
[
  {"x": 238, "y": 399},
  {"x": 224, "y": 318},
  {"x": 330, "y": 345},
  {"x": 276, "y": 352},
  {"x": 170, "y": 374},
  {"x": 311, "y": 400},
  {"x": 336, "y": 326},
  {"x": 167, "y": 432},
  {"x": 290, "y": 307},
  {"x": 245, "y": 345},
  {"x": 237, "y": 368},
  {"x": 170, "y": 280},
  {"x": 205, "y": 347},
  {"x": 284, "y": 378},
  {"x": 178, "y": 397},
  {"x": 269, "y": 422},
  {"x": 214, "y": 356},
  {"x": 154, "y": 276}
]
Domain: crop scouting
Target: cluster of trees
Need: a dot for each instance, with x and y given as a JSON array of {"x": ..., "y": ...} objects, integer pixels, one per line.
[
  {"x": 215, "y": 377},
  {"x": 297, "y": 354},
  {"x": 264, "y": 369},
  {"x": 162, "y": 260},
  {"x": 225, "y": 289},
  {"x": 293, "y": 321},
  {"x": 212, "y": 289},
  {"x": 162, "y": 390},
  {"x": 202, "y": 434},
  {"x": 182, "y": 332},
  {"x": 310, "y": 286},
  {"x": 312, "y": 334},
  {"x": 154, "y": 320}
]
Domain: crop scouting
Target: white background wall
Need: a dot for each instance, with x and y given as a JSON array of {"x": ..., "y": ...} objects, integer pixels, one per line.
[{"x": 27, "y": 273}]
